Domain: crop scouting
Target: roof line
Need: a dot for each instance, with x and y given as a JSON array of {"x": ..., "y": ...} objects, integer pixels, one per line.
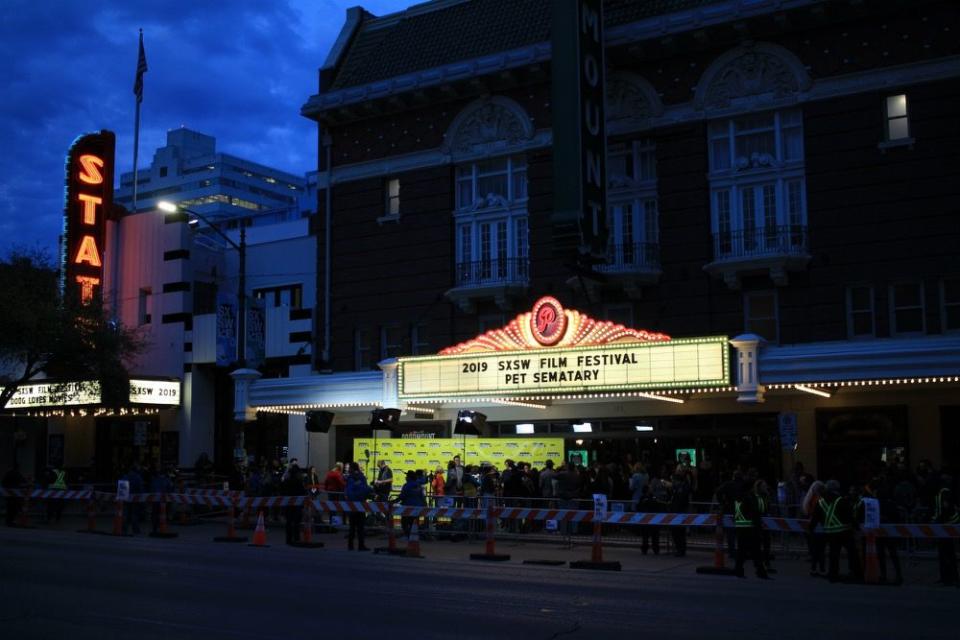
[
  {"x": 463, "y": 69},
  {"x": 390, "y": 19}
]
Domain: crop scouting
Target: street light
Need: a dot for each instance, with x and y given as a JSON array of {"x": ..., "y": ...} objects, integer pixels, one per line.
[{"x": 241, "y": 248}]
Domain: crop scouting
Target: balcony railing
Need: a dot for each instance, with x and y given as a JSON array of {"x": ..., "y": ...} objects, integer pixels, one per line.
[
  {"x": 636, "y": 256},
  {"x": 761, "y": 242},
  {"x": 493, "y": 272}
]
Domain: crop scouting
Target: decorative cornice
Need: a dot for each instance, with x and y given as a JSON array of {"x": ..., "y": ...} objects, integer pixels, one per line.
[
  {"x": 753, "y": 71},
  {"x": 488, "y": 126},
  {"x": 820, "y": 89}
]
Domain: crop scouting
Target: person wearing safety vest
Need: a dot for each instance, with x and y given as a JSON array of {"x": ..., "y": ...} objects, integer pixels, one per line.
[
  {"x": 835, "y": 513},
  {"x": 748, "y": 526},
  {"x": 761, "y": 493},
  {"x": 56, "y": 481},
  {"x": 945, "y": 511}
]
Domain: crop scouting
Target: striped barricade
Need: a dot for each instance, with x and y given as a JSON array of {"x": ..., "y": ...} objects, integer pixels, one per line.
[{"x": 47, "y": 494}]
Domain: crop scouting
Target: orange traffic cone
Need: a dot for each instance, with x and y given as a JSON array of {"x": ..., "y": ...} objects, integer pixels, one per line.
[
  {"x": 306, "y": 529},
  {"x": 162, "y": 531},
  {"x": 871, "y": 570},
  {"x": 491, "y": 546},
  {"x": 596, "y": 560},
  {"x": 259, "y": 534},
  {"x": 719, "y": 567},
  {"x": 413, "y": 543},
  {"x": 23, "y": 518}
]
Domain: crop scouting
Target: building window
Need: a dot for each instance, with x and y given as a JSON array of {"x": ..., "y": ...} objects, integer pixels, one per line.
[
  {"x": 632, "y": 214},
  {"x": 758, "y": 198},
  {"x": 895, "y": 114},
  {"x": 419, "y": 340},
  {"x": 950, "y": 301},
  {"x": 619, "y": 313},
  {"x": 290, "y": 295},
  {"x": 391, "y": 341},
  {"x": 145, "y": 306},
  {"x": 392, "y": 191},
  {"x": 906, "y": 308},
  {"x": 163, "y": 172},
  {"x": 860, "y": 318},
  {"x": 491, "y": 221},
  {"x": 760, "y": 314},
  {"x": 362, "y": 353}
]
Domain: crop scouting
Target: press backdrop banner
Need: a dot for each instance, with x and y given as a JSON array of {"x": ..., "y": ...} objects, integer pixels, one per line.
[{"x": 429, "y": 453}]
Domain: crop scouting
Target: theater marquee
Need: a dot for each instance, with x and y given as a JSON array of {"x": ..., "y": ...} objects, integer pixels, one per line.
[
  {"x": 552, "y": 349},
  {"x": 73, "y": 394}
]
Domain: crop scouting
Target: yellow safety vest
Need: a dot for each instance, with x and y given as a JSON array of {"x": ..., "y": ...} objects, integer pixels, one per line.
[
  {"x": 60, "y": 482},
  {"x": 739, "y": 520},
  {"x": 831, "y": 523}
]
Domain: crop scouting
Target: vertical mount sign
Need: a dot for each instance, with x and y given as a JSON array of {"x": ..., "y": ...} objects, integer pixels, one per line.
[
  {"x": 89, "y": 195},
  {"x": 579, "y": 130}
]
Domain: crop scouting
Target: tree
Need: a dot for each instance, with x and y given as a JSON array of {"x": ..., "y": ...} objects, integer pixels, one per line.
[{"x": 44, "y": 332}]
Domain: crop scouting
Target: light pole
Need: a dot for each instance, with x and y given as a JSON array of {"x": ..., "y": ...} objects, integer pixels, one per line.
[{"x": 241, "y": 248}]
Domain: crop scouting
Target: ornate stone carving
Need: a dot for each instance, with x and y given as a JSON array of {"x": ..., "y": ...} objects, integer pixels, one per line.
[
  {"x": 631, "y": 98},
  {"x": 489, "y": 125},
  {"x": 752, "y": 70},
  {"x": 626, "y": 100}
]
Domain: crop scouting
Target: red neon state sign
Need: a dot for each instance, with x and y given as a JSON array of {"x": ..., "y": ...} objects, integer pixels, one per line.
[{"x": 90, "y": 164}]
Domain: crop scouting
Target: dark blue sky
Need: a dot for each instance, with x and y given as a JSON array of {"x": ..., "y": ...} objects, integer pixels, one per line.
[{"x": 236, "y": 69}]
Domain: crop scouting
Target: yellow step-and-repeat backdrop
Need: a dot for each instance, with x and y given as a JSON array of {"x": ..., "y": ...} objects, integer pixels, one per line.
[{"x": 429, "y": 453}]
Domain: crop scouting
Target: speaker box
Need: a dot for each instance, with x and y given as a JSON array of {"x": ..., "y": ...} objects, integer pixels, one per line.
[
  {"x": 319, "y": 421},
  {"x": 385, "y": 418}
]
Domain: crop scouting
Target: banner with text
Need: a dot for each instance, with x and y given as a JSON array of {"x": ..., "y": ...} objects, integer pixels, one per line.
[{"x": 677, "y": 364}]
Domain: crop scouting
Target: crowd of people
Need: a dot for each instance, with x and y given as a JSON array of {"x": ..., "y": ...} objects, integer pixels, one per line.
[{"x": 923, "y": 495}]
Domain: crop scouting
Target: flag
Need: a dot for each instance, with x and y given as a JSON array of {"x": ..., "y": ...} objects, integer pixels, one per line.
[{"x": 141, "y": 69}]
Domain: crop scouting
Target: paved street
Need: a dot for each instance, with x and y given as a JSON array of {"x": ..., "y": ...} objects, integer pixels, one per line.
[{"x": 60, "y": 584}]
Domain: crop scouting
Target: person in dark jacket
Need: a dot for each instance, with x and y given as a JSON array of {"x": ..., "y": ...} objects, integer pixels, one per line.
[
  {"x": 835, "y": 514},
  {"x": 358, "y": 490},
  {"x": 945, "y": 511},
  {"x": 748, "y": 524},
  {"x": 882, "y": 492},
  {"x": 293, "y": 486},
  {"x": 679, "y": 503},
  {"x": 761, "y": 493},
  {"x": 159, "y": 483},
  {"x": 411, "y": 495},
  {"x": 649, "y": 533}
]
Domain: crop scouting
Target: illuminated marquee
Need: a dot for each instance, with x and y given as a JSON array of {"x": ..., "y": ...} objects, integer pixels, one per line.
[
  {"x": 67, "y": 394},
  {"x": 586, "y": 355},
  {"x": 89, "y": 201}
]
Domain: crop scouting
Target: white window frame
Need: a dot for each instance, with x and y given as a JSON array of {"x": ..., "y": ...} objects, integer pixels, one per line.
[
  {"x": 494, "y": 236},
  {"x": 775, "y": 339},
  {"x": 944, "y": 303},
  {"x": 391, "y": 190},
  {"x": 850, "y": 311},
  {"x": 391, "y": 349},
  {"x": 891, "y": 107},
  {"x": 361, "y": 347},
  {"x": 894, "y": 308},
  {"x": 419, "y": 346},
  {"x": 633, "y": 211},
  {"x": 764, "y": 231}
]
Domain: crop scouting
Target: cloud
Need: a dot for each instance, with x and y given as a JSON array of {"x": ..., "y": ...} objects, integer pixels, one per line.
[{"x": 238, "y": 69}]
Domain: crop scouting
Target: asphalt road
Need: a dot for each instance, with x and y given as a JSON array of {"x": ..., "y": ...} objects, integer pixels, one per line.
[{"x": 59, "y": 584}]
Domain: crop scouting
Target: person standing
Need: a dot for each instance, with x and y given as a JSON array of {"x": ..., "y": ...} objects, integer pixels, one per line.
[
  {"x": 816, "y": 540},
  {"x": 437, "y": 484},
  {"x": 761, "y": 493},
  {"x": 57, "y": 482},
  {"x": 411, "y": 495},
  {"x": 546, "y": 484},
  {"x": 454, "y": 486},
  {"x": 357, "y": 490},
  {"x": 945, "y": 512},
  {"x": 879, "y": 490},
  {"x": 680, "y": 503},
  {"x": 747, "y": 524},
  {"x": 835, "y": 513},
  {"x": 384, "y": 482},
  {"x": 293, "y": 486},
  {"x": 159, "y": 483}
]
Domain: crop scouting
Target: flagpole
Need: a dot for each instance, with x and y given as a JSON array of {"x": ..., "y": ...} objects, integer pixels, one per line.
[{"x": 136, "y": 128}]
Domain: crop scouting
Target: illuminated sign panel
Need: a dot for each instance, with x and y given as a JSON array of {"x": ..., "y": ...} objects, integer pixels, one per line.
[
  {"x": 89, "y": 200},
  {"x": 64, "y": 394},
  {"x": 672, "y": 364},
  {"x": 429, "y": 453}
]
